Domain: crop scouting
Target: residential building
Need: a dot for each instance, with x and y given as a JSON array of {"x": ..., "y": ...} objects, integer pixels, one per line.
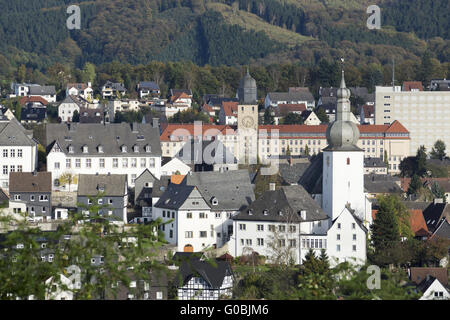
[
  {"x": 46, "y": 92},
  {"x": 83, "y": 90},
  {"x": 97, "y": 115},
  {"x": 113, "y": 90},
  {"x": 310, "y": 118},
  {"x": 228, "y": 113},
  {"x": 202, "y": 280},
  {"x": 425, "y": 114},
  {"x": 439, "y": 85},
  {"x": 375, "y": 166},
  {"x": 148, "y": 88},
  {"x": 33, "y": 113},
  {"x": 367, "y": 114},
  {"x": 123, "y": 105},
  {"x": 293, "y": 96},
  {"x": 67, "y": 108},
  {"x": 30, "y": 192},
  {"x": 116, "y": 148},
  {"x": 171, "y": 166},
  {"x": 110, "y": 190},
  {"x": 201, "y": 208},
  {"x": 18, "y": 150},
  {"x": 181, "y": 98},
  {"x": 431, "y": 282}
]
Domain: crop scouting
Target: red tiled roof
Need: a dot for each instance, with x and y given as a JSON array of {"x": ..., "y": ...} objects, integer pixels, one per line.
[
  {"x": 230, "y": 108},
  {"x": 420, "y": 274},
  {"x": 23, "y": 101},
  {"x": 416, "y": 222},
  {"x": 397, "y": 127},
  {"x": 289, "y": 107},
  {"x": 180, "y": 95},
  {"x": 176, "y": 178},
  {"x": 408, "y": 85},
  {"x": 188, "y": 129},
  {"x": 369, "y": 111},
  {"x": 207, "y": 108}
]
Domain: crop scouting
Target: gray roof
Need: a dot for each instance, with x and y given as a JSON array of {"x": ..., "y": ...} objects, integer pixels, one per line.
[
  {"x": 289, "y": 201},
  {"x": 443, "y": 230},
  {"x": 212, "y": 273},
  {"x": 232, "y": 189},
  {"x": 292, "y": 173},
  {"x": 328, "y": 92},
  {"x": 311, "y": 180},
  {"x": 30, "y": 182},
  {"x": 195, "y": 152},
  {"x": 115, "y": 86},
  {"x": 42, "y": 90},
  {"x": 381, "y": 183},
  {"x": 112, "y": 137},
  {"x": 174, "y": 196},
  {"x": 434, "y": 213},
  {"x": 113, "y": 185},
  {"x": 374, "y": 163},
  {"x": 74, "y": 99},
  {"x": 301, "y": 95},
  {"x": 329, "y": 103},
  {"x": 148, "y": 85},
  {"x": 12, "y": 133}
]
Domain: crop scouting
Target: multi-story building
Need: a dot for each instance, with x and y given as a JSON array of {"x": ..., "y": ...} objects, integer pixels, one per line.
[
  {"x": 80, "y": 89},
  {"x": 293, "y": 96},
  {"x": 426, "y": 114},
  {"x": 18, "y": 150},
  {"x": 84, "y": 148},
  {"x": 31, "y": 193},
  {"x": 113, "y": 90},
  {"x": 67, "y": 108},
  {"x": 108, "y": 190}
]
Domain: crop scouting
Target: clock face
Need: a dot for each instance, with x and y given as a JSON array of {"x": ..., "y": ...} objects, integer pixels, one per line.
[{"x": 248, "y": 122}]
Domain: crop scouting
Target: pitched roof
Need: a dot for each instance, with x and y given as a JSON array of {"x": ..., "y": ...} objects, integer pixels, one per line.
[
  {"x": 114, "y": 86},
  {"x": 408, "y": 85},
  {"x": 291, "y": 174},
  {"x": 396, "y": 127},
  {"x": 417, "y": 223},
  {"x": 188, "y": 92},
  {"x": 284, "y": 109},
  {"x": 88, "y": 115},
  {"x": 231, "y": 189},
  {"x": 301, "y": 95},
  {"x": 91, "y": 184},
  {"x": 442, "y": 230},
  {"x": 230, "y": 108},
  {"x": 148, "y": 85},
  {"x": 381, "y": 183},
  {"x": 213, "y": 274},
  {"x": 206, "y": 152},
  {"x": 42, "y": 90},
  {"x": 283, "y": 205},
  {"x": 174, "y": 196},
  {"x": 370, "y": 162},
  {"x": 179, "y": 95},
  {"x": 25, "y": 100},
  {"x": 112, "y": 137},
  {"x": 176, "y": 130},
  {"x": 419, "y": 274},
  {"x": 12, "y": 133},
  {"x": 30, "y": 182},
  {"x": 434, "y": 213}
]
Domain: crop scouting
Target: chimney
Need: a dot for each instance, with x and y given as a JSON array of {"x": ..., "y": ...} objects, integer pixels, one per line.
[
  {"x": 272, "y": 186},
  {"x": 155, "y": 123}
]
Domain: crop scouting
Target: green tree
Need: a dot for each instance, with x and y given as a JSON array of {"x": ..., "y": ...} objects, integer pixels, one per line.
[
  {"x": 438, "y": 191},
  {"x": 438, "y": 151},
  {"x": 415, "y": 185},
  {"x": 385, "y": 228},
  {"x": 293, "y": 118},
  {"x": 88, "y": 74},
  {"x": 76, "y": 116},
  {"x": 421, "y": 161},
  {"x": 306, "y": 151},
  {"x": 268, "y": 117},
  {"x": 323, "y": 117}
]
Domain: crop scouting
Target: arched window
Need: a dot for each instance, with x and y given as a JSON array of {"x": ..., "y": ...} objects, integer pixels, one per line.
[{"x": 348, "y": 161}]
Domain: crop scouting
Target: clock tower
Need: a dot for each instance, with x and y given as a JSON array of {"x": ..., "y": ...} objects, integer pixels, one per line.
[{"x": 247, "y": 120}]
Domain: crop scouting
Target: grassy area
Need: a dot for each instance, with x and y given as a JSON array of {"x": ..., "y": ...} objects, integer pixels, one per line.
[{"x": 250, "y": 21}]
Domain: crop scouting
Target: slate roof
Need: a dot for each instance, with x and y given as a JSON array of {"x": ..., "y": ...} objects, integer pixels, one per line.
[
  {"x": 311, "y": 180},
  {"x": 289, "y": 200},
  {"x": 114, "y": 86},
  {"x": 434, "y": 213},
  {"x": 42, "y": 90},
  {"x": 418, "y": 274},
  {"x": 29, "y": 182},
  {"x": 174, "y": 196},
  {"x": 292, "y": 173},
  {"x": 232, "y": 189},
  {"x": 88, "y": 115},
  {"x": 12, "y": 133},
  {"x": 374, "y": 163},
  {"x": 442, "y": 230},
  {"x": 32, "y": 113},
  {"x": 112, "y": 137},
  {"x": 213, "y": 274},
  {"x": 381, "y": 183},
  {"x": 195, "y": 152},
  {"x": 73, "y": 99},
  {"x": 160, "y": 186},
  {"x": 3, "y": 196},
  {"x": 300, "y": 95},
  {"x": 114, "y": 184},
  {"x": 148, "y": 85}
]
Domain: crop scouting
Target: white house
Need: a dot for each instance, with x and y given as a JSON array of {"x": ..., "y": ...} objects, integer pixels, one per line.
[
  {"x": 84, "y": 148},
  {"x": 111, "y": 89},
  {"x": 68, "y": 107},
  {"x": 123, "y": 105},
  {"x": 310, "y": 118},
  {"x": 80, "y": 89},
  {"x": 293, "y": 96},
  {"x": 59, "y": 289},
  {"x": 18, "y": 150},
  {"x": 433, "y": 289},
  {"x": 173, "y": 166},
  {"x": 228, "y": 113},
  {"x": 46, "y": 92}
]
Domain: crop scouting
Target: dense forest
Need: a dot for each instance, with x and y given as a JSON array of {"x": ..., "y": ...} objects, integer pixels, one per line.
[{"x": 140, "y": 32}]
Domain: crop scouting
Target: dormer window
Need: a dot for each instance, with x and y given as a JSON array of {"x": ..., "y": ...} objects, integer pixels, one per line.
[
  {"x": 71, "y": 150},
  {"x": 214, "y": 201},
  {"x": 265, "y": 212},
  {"x": 148, "y": 149},
  {"x": 124, "y": 149},
  {"x": 100, "y": 149},
  {"x": 101, "y": 188},
  {"x": 85, "y": 149},
  {"x": 136, "y": 148}
]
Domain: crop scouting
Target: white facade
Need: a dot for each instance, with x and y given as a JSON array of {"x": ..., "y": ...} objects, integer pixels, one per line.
[
  {"x": 312, "y": 120},
  {"x": 87, "y": 93},
  {"x": 66, "y": 110},
  {"x": 347, "y": 240},
  {"x": 264, "y": 237},
  {"x": 436, "y": 291},
  {"x": 59, "y": 293},
  {"x": 59, "y": 163},
  {"x": 173, "y": 166},
  {"x": 16, "y": 159},
  {"x": 123, "y": 106},
  {"x": 198, "y": 289},
  {"x": 343, "y": 182}
]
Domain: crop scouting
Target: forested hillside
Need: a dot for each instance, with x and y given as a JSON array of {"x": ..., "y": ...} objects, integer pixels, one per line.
[{"x": 216, "y": 32}]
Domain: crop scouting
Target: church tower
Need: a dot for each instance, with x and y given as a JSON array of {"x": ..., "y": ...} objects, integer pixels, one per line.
[
  {"x": 343, "y": 162},
  {"x": 247, "y": 120}
]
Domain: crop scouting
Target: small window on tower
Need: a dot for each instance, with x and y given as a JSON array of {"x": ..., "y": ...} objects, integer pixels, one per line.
[{"x": 348, "y": 161}]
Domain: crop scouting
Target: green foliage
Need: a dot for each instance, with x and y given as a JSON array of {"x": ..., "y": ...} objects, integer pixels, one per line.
[
  {"x": 415, "y": 185},
  {"x": 438, "y": 191},
  {"x": 189, "y": 116},
  {"x": 292, "y": 118},
  {"x": 76, "y": 116},
  {"x": 268, "y": 117},
  {"x": 438, "y": 151},
  {"x": 323, "y": 117}
]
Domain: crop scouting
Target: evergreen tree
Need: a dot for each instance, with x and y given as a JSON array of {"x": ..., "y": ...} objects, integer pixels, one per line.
[
  {"x": 268, "y": 117},
  {"x": 293, "y": 118},
  {"x": 76, "y": 116},
  {"x": 323, "y": 117},
  {"x": 421, "y": 161},
  {"x": 438, "y": 191},
  {"x": 385, "y": 228},
  {"x": 414, "y": 185},
  {"x": 438, "y": 151}
]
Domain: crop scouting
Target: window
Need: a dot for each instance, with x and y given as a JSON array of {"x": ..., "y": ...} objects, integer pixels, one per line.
[
  {"x": 102, "y": 163},
  {"x": 354, "y": 247},
  {"x": 159, "y": 295},
  {"x": 115, "y": 163},
  {"x": 348, "y": 161},
  {"x": 100, "y": 201},
  {"x": 202, "y": 215},
  {"x": 19, "y": 168},
  {"x": 143, "y": 162},
  {"x": 32, "y": 198},
  {"x": 218, "y": 215},
  {"x": 281, "y": 228},
  {"x": 203, "y": 234},
  {"x": 17, "y": 197},
  {"x": 292, "y": 229},
  {"x": 353, "y": 225},
  {"x": 338, "y": 248},
  {"x": 271, "y": 228},
  {"x": 43, "y": 197},
  {"x": 124, "y": 163},
  {"x": 77, "y": 163},
  {"x": 5, "y": 153},
  {"x": 88, "y": 163},
  {"x": 13, "y": 153},
  {"x": 56, "y": 165},
  {"x": 292, "y": 243},
  {"x": 338, "y": 237},
  {"x": 282, "y": 243},
  {"x": 249, "y": 242},
  {"x": 110, "y": 201},
  {"x": 134, "y": 163},
  {"x": 12, "y": 169},
  {"x": 242, "y": 226},
  {"x": 189, "y": 215},
  {"x": 133, "y": 178},
  {"x": 19, "y": 153},
  {"x": 189, "y": 234},
  {"x": 338, "y": 225},
  {"x": 68, "y": 163},
  {"x": 5, "y": 169},
  {"x": 354, "y": 237},
  {"x": 260, "y": 242}
]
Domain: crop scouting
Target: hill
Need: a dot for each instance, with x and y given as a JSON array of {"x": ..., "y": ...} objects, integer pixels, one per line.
[{"x": 215, "y": 32}]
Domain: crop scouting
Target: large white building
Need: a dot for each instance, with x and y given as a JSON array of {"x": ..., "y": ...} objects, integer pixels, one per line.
[
  {"x": 81, "y": 148},
  {"x": 426, "y": 114},
  {"x": 18, "y": 150}
]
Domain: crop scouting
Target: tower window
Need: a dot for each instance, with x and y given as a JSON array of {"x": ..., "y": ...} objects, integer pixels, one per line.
[{"x": 348, "y": 161}]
